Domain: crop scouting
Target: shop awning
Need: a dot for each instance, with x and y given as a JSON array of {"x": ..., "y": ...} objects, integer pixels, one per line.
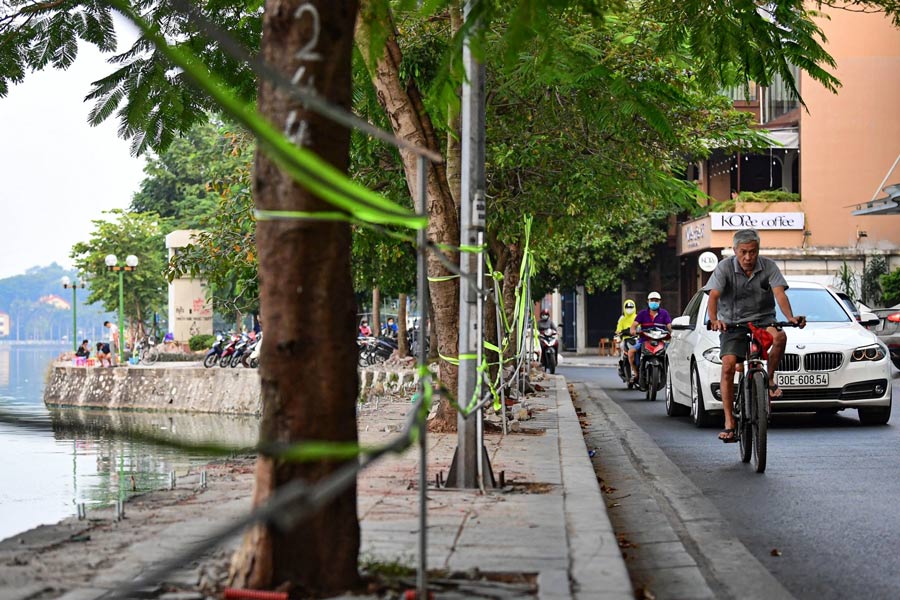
[
  {"x": 886, "y": 205},
  {"x": 784, "y": 138}
]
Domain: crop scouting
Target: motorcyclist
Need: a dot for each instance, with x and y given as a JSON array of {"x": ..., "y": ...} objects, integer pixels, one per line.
[
  {"x": 544, "y": 322},
  {"x": 652, "y": 316},
  {"x": 623, "y": 326}
]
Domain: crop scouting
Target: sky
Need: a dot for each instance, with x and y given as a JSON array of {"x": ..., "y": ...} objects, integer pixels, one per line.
[{"x": 57, "y": 173}]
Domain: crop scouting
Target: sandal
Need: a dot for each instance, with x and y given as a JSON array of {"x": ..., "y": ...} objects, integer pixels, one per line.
[{"x": 728, "y": 436}]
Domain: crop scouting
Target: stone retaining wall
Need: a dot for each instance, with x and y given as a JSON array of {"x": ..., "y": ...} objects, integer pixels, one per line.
[{"x": 190, "y": 389}]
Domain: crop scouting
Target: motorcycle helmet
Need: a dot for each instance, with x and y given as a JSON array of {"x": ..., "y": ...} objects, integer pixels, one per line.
[{"x": 630, "y": 307}]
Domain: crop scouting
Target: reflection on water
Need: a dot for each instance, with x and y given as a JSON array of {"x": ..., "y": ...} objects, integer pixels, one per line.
[{"x": 69, "y": 456}]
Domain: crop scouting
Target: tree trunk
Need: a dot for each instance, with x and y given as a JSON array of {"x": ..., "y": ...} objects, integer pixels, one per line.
[
  {"x": 510, "y": 281},
  {"x": 454, "y": 133},
  {"x": 304, "y": 271},
  {"x": 376, "y": 312},
  {"x": 410, "y": 121},
  {"x": 402, "y": 346}
]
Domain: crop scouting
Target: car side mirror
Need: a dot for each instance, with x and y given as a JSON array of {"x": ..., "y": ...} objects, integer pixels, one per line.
[
  {"x": 681, "y": 323},
  {"x": 868, "y": 319}
]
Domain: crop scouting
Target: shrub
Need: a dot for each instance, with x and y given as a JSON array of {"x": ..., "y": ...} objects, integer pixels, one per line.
[
  {"x": 201, "y": 342},
  {"x": 890, "y": 288}
]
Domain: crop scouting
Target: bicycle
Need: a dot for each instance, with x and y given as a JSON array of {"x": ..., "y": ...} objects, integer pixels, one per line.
[
  {"x": 146, "y": 350},
  {"x": 751, "y": 402}
]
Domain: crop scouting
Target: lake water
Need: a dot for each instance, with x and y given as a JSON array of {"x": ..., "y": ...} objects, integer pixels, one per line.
[{"x": 53, "y": 459}]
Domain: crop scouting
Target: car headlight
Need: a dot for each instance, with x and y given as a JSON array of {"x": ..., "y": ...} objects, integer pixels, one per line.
[
  {"x": 712, "y": 355},
  {"x": 873, "y": 352}
]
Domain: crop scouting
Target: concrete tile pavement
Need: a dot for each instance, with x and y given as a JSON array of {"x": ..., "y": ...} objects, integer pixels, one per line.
[{"x": 550, "y": 520}]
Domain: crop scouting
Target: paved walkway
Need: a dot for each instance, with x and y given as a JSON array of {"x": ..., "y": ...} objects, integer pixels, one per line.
[{"x": 550, "y": 520}]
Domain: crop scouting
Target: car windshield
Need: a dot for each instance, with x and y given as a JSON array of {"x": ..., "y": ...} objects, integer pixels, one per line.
[{"x": 818, "y": 306}]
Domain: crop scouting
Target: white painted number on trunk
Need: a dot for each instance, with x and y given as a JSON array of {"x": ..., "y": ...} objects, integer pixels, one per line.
[{"x": 298, "y": 130}]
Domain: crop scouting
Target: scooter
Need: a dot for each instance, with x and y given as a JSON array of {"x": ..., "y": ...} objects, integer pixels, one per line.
[
  {"x": 624, "y": 369},
  {"x": 549, "y": 349},
  {"x": 652, "y": 368},
  {"x": 214, "y": 353},
  {"x": 252, "y": 360},
  {"x": 229, "y": 349}
]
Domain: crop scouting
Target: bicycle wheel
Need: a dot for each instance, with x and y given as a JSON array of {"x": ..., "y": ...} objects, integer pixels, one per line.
[
  {"x": 759, "y": 420},
  {"x": 742, "y": 420},
  {"x": 151, "y": 355}
]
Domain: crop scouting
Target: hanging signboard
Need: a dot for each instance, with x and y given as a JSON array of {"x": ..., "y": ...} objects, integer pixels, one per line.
[
  {"x": 723, "y": 221},
  {"x": 708, "y": 261}
]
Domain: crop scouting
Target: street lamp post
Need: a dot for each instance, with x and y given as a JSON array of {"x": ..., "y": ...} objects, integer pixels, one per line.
[
  {"x": 112, "y": 263},
  {"x": 68, "y": 283}
]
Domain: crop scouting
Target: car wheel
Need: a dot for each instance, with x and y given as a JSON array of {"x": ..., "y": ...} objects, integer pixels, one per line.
[
  {"x": 875, "y": 415},
  {"x": 699, "y": 416},
  {"x": 673, "y": 409}
]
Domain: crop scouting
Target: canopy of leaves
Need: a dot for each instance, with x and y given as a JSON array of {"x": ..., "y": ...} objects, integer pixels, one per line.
[
  {"x": 731, "y": 42},
  {"x": 181, "y": 182},
  {"x": 590, "y": 140},
  {"x": 224, "y": 251},
  {"x": 150, "y": 98},
  {"x": 125, "y": 233}
]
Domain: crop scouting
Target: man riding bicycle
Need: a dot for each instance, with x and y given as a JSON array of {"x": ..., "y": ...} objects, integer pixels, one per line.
[{"x": 744, "y": 289}]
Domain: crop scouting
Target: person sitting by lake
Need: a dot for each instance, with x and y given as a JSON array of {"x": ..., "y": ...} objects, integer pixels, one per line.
[
  {"x": 84, "y": 350},
  {"x": 364, "y": 329},
  {"x": 103, "y": 353}
]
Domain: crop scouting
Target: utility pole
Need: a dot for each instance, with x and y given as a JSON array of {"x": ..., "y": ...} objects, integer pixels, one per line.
[{"x": 471, "y": 468}]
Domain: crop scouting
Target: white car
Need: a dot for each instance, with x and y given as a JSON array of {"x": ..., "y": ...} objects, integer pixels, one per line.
[{"x": 832, "y": 364}]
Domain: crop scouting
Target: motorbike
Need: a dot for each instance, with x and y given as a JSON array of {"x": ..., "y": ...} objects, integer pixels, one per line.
[
  {"x": 549, "y": 349},
  {"x": 229, "y": 350},
  {"x": 241, "y": 350},
  {"x": 412, "y": 341},
  {"x": 652, "y": 367},
  {"x": 214, "y": 353},
  {"x": 375, "y": 350},
  {"x": 624, "y": 367},
  {"x": 251, "y": 357}
]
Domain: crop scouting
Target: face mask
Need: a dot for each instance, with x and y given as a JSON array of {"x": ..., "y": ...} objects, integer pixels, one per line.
[
  {"x": 629, "y": 310},
  {"x": 653, "y": 305}
]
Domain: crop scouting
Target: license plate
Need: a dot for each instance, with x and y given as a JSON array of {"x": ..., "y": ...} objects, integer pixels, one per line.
[{"x": 801, "y": 379}]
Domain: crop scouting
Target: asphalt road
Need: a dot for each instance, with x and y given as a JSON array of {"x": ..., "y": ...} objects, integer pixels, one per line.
[{"x": 828, "y": 504}]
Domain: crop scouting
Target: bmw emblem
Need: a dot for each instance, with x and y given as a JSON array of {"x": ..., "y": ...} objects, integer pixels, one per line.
[{"x": 801, "y": 346}]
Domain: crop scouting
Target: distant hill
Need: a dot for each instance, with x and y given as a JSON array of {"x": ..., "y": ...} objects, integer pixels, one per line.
[{"x": 33, "y": 317}]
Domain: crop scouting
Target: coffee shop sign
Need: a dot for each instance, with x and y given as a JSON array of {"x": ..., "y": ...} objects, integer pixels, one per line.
[{"x": 729, "y": 221}]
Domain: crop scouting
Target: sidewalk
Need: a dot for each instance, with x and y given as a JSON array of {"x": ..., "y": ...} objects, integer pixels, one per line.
[{"x": 545, "y": 535}]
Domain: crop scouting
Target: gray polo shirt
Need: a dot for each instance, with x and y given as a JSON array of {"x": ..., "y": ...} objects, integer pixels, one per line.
[{"x": 746, "y": 299}]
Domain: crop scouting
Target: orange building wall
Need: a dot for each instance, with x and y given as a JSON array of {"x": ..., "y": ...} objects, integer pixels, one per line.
[{"x": 849, "y": 140}]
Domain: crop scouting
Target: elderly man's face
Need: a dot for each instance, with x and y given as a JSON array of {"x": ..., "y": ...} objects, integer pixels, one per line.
[{"x": 747, "y": 253}]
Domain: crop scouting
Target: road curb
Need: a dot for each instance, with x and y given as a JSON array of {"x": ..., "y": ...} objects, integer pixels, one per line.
[
  {"x": 596, "y": 567},
  {"x": 704, "y": 533}
]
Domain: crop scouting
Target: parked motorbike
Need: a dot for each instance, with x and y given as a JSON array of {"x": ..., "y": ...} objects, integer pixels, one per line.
[
  {"x": 251, "y": 356},
  {"x": 624, "y": 369},
  {"x": 241, "y": 349},
  {"x": 229, "y": 350},
  {"x": 375, "y": 350},
  {"x": 549, "y": 349},
  {"x": 214, "y": 353},
  {"x": 412, "y": 341},
  {"x": 652, "y": 367}
]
